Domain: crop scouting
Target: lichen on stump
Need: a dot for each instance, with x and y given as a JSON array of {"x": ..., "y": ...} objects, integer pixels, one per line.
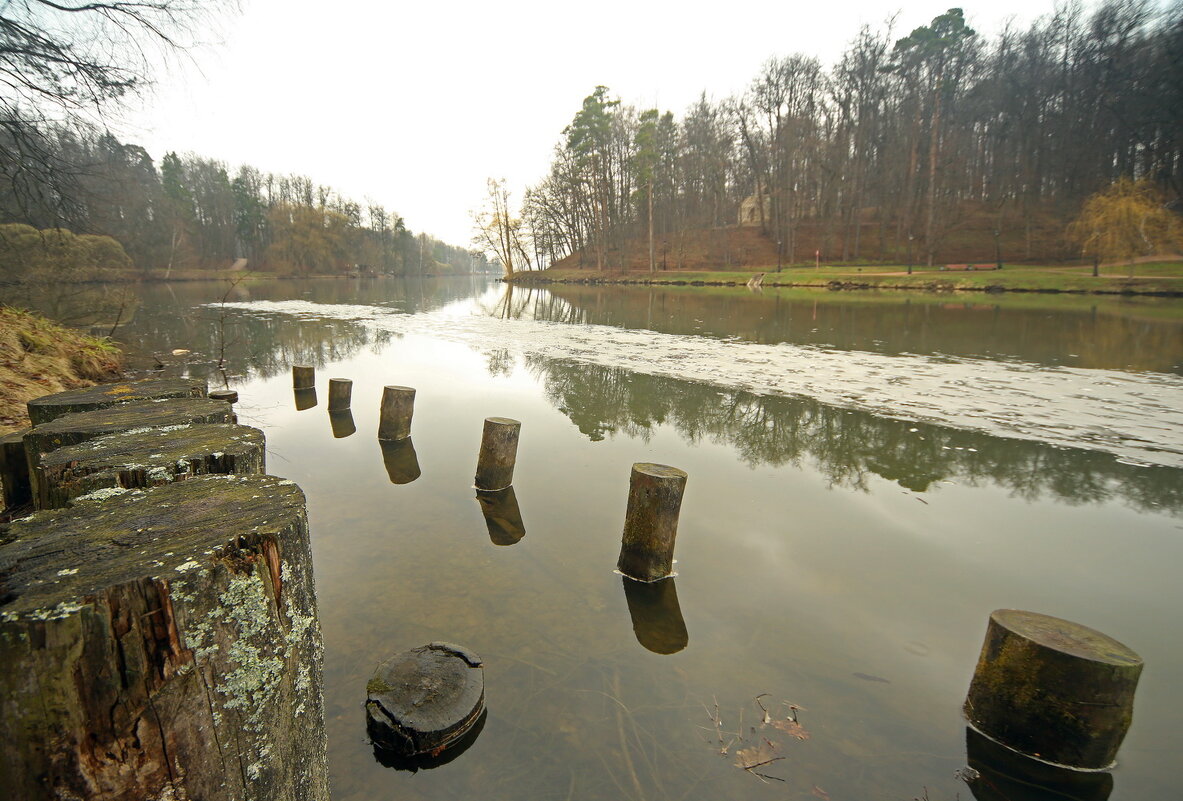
[
  {"x": 72, "y": 429},
  {"x": 1053, "y": 689},
  {"x": 103, "y": 396},
  {"x": 163, "y": 644},
  {"x": 423, "y": 700},
  {"x": 140, "y": 459}
]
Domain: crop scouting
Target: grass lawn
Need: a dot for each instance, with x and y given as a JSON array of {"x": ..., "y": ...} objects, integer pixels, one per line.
[{"x": 1150, "y": 278}]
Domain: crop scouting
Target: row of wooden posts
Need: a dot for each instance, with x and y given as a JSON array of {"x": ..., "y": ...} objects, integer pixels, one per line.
[
  {"x": 1043, "y": 686},
  {"x": 655, "y": 490}
]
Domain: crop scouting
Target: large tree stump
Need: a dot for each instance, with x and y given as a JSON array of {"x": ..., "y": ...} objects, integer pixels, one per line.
[
  {"x": 651, "y": 521},
  {"x": 72, "y": 429},
  {"x": 140, "y": 459},
  {"x": 1053, "y": 689},
  {"x": 163, "y": 644},
  {"x": 102, "y": 396},
  {"x": 14, "y": 470},
  {"x": 423, "y": 700}
]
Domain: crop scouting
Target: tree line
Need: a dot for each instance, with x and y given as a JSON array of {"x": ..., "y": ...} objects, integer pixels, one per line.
[
  {"x": 194, "y": 212},
  {"x": 887, "y": 154}
]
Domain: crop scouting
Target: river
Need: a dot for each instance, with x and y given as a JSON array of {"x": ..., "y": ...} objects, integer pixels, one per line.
[{"x": 870, "y": 475}]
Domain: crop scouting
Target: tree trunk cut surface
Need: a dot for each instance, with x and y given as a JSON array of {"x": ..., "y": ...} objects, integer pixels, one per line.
[
  {"x": 140, "y": 459},
  {"x": 421, "y": 701},
  {"x": 50, "y": 407},
  {"x": 163, "y": 644}
]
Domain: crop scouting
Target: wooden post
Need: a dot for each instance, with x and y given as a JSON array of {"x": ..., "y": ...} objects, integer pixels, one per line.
[
  {"x": 400, "y": 459},
  {"x": 394, "y": 419},
  {"x": 14, "y": 470},
  {"x": 305, "y": 398},
  {"x": 499, "y": 451},
  {"x": 503, "y": 517},
  {"x": 340, "y": 392},
  {"x": 303, "y": 377},
  {"x": 651, "y": 521},
  {"x": 342, "y": 423},
  {"x": 175, "y": 654},
  {"x": 1053, "y": 689},
  {"x": 657, "y": 618}
]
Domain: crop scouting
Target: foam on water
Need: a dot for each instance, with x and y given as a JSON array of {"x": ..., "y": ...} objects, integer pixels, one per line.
[{"x": 1137, "y": 416}]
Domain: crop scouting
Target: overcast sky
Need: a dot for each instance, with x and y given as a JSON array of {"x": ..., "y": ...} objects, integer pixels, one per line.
[{"x": 415, "y": 105}]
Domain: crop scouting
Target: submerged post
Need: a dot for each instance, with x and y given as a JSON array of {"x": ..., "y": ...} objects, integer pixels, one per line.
[
  {"x": 340, "y": 392},
  {"x": 1053, "y": 689},
  {"x": 305, "y": 398},
  {"x": 303, "y": 377},
  {"x": 394, "y": 419},
  {"x": 342, "y": 423},
  {"x": 499, "y": 452},
  {"x": 651, "y": 521}
]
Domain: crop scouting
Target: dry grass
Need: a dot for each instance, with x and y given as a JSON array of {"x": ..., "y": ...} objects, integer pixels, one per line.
[{"x": 39, "y": 357}]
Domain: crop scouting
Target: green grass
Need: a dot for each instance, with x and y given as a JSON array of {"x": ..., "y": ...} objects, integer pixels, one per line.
[{"x": 1152, "y": 278}]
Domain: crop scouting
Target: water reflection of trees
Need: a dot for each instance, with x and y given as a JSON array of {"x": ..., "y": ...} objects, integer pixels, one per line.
[
  {"x": 1091, "y": 333},
  {"x": 848, "y": 447}
]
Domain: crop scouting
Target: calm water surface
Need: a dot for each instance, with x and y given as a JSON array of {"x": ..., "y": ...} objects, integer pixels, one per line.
[{"x": 870, "y": 476}]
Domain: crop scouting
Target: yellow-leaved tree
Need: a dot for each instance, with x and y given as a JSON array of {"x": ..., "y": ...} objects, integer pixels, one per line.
[{"x": 1124, "y": 222}]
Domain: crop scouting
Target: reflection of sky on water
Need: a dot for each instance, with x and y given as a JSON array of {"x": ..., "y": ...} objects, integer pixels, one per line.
[{"x": 790, "y": 582}]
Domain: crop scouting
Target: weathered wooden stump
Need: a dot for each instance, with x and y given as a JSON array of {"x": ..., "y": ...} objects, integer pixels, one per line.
[
  {"x": 397, "y": 409},
  {"x": 14, "y": 470},
  {"x": 499, "y": 452},
  {"x": 423, "y": 700},
  {"x": 340, "y": 394},
  {"x": 503, "y": 518},
  {"x": 400, "y": 459},
  {"x": 342, "y": 422},
  {"x": 657, "y": 617},
  {"x": 102, "y": 396},
  {"x": 1000, "y": 774},
  {"x": 163, "y": 644},
  {"x": 305, "y": 398},
  {"x": 72, "y": 429},
  {"x": 228, "y": 395},
  {"x": 1053, "y": 689},
  {"x": 140, "y": 459},
  {"x": 651, "y": 521},
  {"x": 303, "y": 377}
]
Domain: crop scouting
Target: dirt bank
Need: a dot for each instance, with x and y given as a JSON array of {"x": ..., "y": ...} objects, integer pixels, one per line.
[{"x": 39, "y": 357}]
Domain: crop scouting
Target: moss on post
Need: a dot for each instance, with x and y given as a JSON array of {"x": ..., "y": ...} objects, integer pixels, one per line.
[
  {"x": 1053, "y": 689},
  {"x": 163, "y": 644},
  {"x": 140, "y": 459},
  {"x": 72, "y": 429},
  {"x": 50, "y": 407}
]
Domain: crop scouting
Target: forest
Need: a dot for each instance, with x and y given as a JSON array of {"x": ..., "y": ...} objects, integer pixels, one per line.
[
  {"x": 923, "y": 146},
  {"x": 192, "y": 213}
]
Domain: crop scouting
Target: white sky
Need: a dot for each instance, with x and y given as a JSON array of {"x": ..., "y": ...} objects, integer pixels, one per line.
[{"x": 415, "y": 105}]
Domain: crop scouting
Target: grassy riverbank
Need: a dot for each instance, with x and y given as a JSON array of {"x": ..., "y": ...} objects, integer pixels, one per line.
[
  {"x": 39, "y": 357},
  {"x": 1156, "y": 278}
]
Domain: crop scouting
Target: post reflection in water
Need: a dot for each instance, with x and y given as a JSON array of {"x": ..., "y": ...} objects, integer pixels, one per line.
[
  {"x": 342, "y": 422},
  {"x": 657, "y": 617},
  {"x": 305, "y": 398},
  {"x": 412, "y": 764},
  {"x": 1006, "y": 775},
  {"x": 502, "y": 515},
  {"x": 402, "y": 463}
]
